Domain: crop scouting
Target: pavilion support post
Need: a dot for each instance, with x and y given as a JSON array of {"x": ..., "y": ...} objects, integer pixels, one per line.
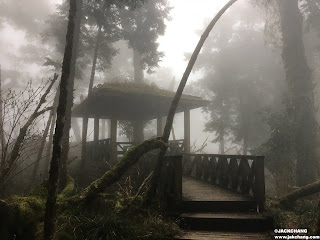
[
  {"x": 113, "y": 136},
  {"x": 187, "y": 131},
  {"x": 103, "y": 129},
  {"x": 159, "y": 126},
  {"x": 108, "y": 123},
  {"x": 96, "y": 130},
  {"x": 84, "y": 156},
  {"x": 95, "y": 138}
]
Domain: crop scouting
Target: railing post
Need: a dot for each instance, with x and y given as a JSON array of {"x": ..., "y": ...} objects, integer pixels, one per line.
[
  {"x": 113, "y": 136},
  {"x": 96, "y": 130},
  {"x": 260, "y": 182},
  {"x": 96, "y": 138},
  {"x": 187, "y": 131}
]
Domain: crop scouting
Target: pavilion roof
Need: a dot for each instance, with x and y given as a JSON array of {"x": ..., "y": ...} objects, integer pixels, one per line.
[{"x": 132, "y": 101}]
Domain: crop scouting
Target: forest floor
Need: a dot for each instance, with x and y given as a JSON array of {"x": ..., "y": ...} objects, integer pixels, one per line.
[
  {"x": 303, "y": 214},
  {"x": 111, "y": 216}
]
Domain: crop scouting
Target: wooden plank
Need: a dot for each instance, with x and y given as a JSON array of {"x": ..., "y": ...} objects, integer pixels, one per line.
[
  {"x": 225, "y": 215},
  {"x": 249, "y": 157},
  {"x": 195, "y": 190}
]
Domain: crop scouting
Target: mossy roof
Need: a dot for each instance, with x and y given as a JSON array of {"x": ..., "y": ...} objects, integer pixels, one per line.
[{"x": 132, "y": 101}]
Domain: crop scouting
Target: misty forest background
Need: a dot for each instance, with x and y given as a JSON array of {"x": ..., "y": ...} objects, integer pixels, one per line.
[{"x": 259, "y": 67}]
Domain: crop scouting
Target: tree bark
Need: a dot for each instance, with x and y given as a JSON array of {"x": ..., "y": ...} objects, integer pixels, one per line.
[
  {"x": 53, "y": 124},
  {"x": 299, "y": 80},
  {"x": 138, "y": 125},
  {"x": 50, "y": 211},
  {"x": 299, "y": 193},
  {"x": 157, "y": 170},
  {"x": 137, "y": 66},
  {"x": 65, "y": 141},
  {"x": 2, "y": 140}
]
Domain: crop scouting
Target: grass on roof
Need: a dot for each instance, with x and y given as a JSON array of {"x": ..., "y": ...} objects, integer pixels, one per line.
[{"x": 137, "y": 88}]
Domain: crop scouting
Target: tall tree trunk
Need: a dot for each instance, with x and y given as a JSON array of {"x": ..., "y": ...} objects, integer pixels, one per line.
[
  {"x": 171, "y": 88},
  {"x": 2, "y": 140},
  {"x": 137, "y": 66},
  {"x": 39, "y": 155},
  {"x": 174, "y": 104},
  {"x": 67, "y": 126},
  {"x": 138, "y": 125},
  {"x": 86, "y": 118},
  {"x": 50, "y": 211},
  {"x": 53, "y": 124},
  {"x": 299, "y": 80},
  {"x": 222, "y": 128}
]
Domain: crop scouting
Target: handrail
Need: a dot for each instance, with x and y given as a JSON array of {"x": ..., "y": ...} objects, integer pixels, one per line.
[
  {"x": 249, "y": 157},
  {"x": 229, "y": 171}
]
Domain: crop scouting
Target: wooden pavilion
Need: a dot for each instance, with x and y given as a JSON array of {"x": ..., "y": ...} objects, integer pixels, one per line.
[{"x": 134, "y": 102}]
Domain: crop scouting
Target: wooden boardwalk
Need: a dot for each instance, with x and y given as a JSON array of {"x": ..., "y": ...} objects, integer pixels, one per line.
[
  {"x": 194, "y": 190},
  {"x": 211, "y": 213}
]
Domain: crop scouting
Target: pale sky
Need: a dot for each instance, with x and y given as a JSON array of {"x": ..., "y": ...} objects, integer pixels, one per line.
[
  {"x": 180, "y": 36},
  {"x": 188, "y": 16}
]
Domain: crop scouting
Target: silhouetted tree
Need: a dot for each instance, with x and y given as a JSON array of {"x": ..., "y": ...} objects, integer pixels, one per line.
[
  {"x": 166, "y": 133},
  {"x": 142, "y": 28},
  {"x": 68, "y": 61},
  {"x": 298, "y": 77},
  {"x": 240, "y": 89}
]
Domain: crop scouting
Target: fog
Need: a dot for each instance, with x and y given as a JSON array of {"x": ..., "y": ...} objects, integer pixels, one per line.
[{"x": 253, "y": 90}]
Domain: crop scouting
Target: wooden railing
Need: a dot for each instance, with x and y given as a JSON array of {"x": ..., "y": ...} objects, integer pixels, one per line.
[
  {"x": 241, "y": 173},
  {"x": 99, "y": 150},
  {"x": 170, "y": 187},
  {"x": 122, "y": 147},
  {"x": 176, "y": 147}
]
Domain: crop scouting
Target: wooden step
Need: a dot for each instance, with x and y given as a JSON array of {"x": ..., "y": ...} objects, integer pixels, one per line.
[
  {"x": 199, "y": 235},
  {"x": 233, "y": 222},
  {"x": 218, "y": 206}
]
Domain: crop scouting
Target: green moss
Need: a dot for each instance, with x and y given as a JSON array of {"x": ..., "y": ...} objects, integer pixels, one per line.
[
  {"x": 136, "y": 89},
  {"x": 302, "y": 214},
  {"x": 68, "y": 190},
  {"x": 20, "y": 217},
  {"x": 109, "y": 217},
  {"x": 40, "y": 191}
]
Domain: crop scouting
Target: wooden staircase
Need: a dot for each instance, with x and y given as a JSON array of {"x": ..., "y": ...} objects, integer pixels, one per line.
[{"x": 209, "y": 212}]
